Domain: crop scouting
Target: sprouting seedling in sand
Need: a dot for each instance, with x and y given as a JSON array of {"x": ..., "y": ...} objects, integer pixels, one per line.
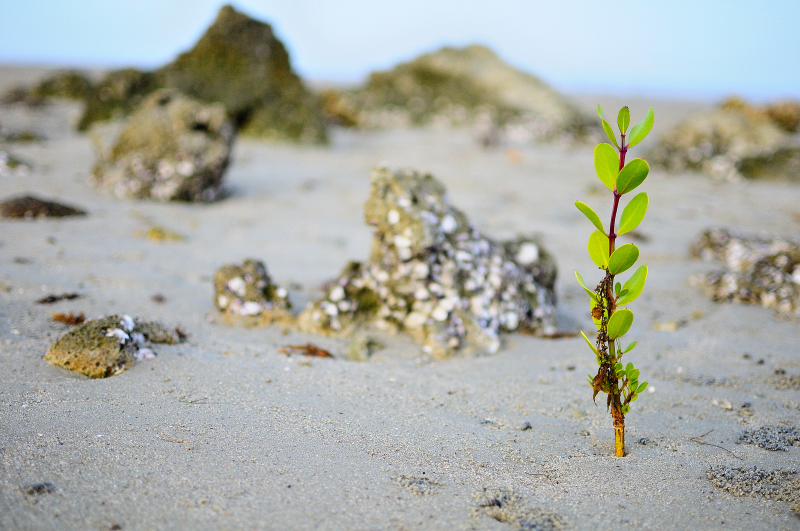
[{"x": 620, "y": 382}]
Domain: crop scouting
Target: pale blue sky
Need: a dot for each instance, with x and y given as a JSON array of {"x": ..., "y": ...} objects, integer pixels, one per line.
[{"x": 706, "y": 48}]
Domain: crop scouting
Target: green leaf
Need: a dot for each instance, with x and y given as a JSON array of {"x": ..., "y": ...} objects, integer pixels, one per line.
[
  {"x": 626, "y": 408},
  {"x": 634, "y": 285},
  {"x": 591, "y": 214},
  {"x": 633, "y": 214},
  {"x": 606, "y": 164},
  {"x": 629, "y": 347},
  {"x": 590, "y": 343},
  {"x": 634, "y": 374},
  {"x": 620, "y": 323},
  {"x": 617, "y": 288},
  {"x": 623, "y": 258},
  {"x": 623, "y": 119},
  {"x": 642, "y": 387},
  {"x": 598, "y": 249},
  {"x": 640, "y": 130},
  {"x": 629, "y": 367},
  {"x": 632, "y": 175},
  {"x": 607, "y": 127},
  {"x": 591, "y": 293}
]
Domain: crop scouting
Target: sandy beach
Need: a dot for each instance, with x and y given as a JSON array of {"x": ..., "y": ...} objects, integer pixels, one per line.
[{"x": 226, "y": 432}]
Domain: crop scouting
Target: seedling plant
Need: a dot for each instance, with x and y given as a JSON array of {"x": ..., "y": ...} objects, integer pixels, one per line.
[{"x": 609, "y": 299}]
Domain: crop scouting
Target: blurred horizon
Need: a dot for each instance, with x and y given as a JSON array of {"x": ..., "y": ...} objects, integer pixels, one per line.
[{"x": 682, "y": 49}]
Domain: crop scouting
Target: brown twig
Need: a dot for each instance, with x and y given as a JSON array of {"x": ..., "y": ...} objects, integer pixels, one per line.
[
  {"x": 69, "y": 318},
  {"x": 309, "y": 349},
  {"x": 696, "y": 439}
]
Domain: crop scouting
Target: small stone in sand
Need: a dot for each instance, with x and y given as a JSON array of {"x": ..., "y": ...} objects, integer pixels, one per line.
[{"x": 30, "y": 207}]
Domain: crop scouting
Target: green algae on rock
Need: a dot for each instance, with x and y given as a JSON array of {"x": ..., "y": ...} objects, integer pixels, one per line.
[
  {"x": 458, "y": 86},
  {"x": 107, "y": 346},
  {"x": 240, "y": 62},
  {"x": 172, "y": 148},
  {"x": 733, "y": 141},
  {"x": 758, "y": 269},
  {"x": 69, "y": 84},
  {"x": 116, "y": 95},
  {"x": 29, "y": 207},
  {"x": 434, "y": 275},
  {"x": 245, "y": 294}
]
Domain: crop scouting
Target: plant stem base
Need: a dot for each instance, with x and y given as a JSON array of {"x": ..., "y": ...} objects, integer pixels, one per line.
[{"x": 619, "y": 441}]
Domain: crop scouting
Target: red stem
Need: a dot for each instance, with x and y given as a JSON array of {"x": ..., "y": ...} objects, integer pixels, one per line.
[{"x": 612, "y": 236}]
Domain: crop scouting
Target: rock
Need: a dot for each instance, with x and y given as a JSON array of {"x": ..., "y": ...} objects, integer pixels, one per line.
[
  {"x": 434, "y": 275},
  {"x": 786, "y": 115},
  {"x": 762, "y": 270},
  {"x": 246, "y": 294},
  {"x": 107, "y": 346},
  {"x": 172, "y": 148},
  {"x": 29, "y": 207},
  {"x": 241, "y": 63},
  {"x": 116, "y": 95},
  {"x": 69, "y": 84},
  {"x": 459, "y": 86},
  {"x": 733, "y": 141},
  {"x": 362, "y": 347}
]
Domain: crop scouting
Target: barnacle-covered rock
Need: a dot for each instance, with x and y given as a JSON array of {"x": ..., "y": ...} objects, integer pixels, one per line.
[
  {"x": 172, "y": 148},
  {"x": 432, "y": 274},
  {"x": 109, "y": 345},
  {"x": 459, "y": 86},
  {"x": 758, "y": 269},
  {"x": 732, "y": 141},
  {"x": 246, "y": 294}
]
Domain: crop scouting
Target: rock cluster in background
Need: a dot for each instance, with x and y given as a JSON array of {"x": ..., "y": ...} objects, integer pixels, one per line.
[
  {"x": 735, "y": 140},
  {"x": 463, "y": 86},
  {"x": 29, "y": 207},
  {"x": 172, "y": 148},
  {"x": 432, "y": 274},
  {"x": 245, "y": 293},
  {"x": 238, "y": 62},
  {"x": 107, "y": 346},
  {"x": 762, "y": 270}
]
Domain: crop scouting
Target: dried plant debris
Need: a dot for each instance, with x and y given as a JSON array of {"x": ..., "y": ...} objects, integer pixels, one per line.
[
  {"x": 107, "y": 346},
  {"x": 172, "y": 148},
  {"x": 505, "y": 505},
  {"x": 50, "y": 299},
  {"x": 11, "y": 166},
  {"x": 778, "y": 485},
  {"x": 419, "y": 486},
  {"x": 309, "y": 349},
  {"x": 433, "y": 274},
  {"x": 461, "y": 86},
  {"x": 772, "y": 437},
  {"x": 245, "y": 294},
  {"x": 736, "y": 140},
  {"x": 69, "y": 318},
  {"x": 160, "y": 235},
  {"x": 30, "y": 207},
  {"x": 762, "y": 270}
]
